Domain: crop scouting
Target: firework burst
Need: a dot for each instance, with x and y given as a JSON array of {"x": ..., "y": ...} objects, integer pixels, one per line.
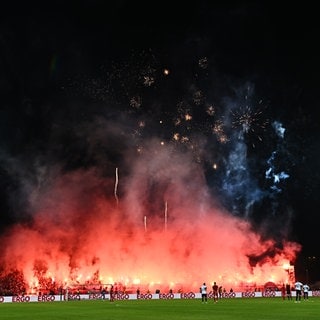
[{"x": 250, "y": 120}]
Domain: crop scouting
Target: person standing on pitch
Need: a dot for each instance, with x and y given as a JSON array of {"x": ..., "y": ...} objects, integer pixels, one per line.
[
  {"x": 111, "y": 294},
  {"x": 288, "y": 290},
  {"x": 298, "y": 287},
  {"x": 215, "y": 292},
  {"x": 283, "y": 292},
  {"x": 305, "y": 289},
  {"x": 203, "y": 291}
]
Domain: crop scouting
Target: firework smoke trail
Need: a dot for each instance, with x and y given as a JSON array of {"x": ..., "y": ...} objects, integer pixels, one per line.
[
  {"x": 241, "y": 189},
  {"x": 74, "y": 233},
  {"x": 271, "y": 173},
  {"x": 116, "y": 187},
  {"x": 166, "y": 215},
  {"x": 276, "y": 177},
  {"x": 245, "y": 194}
]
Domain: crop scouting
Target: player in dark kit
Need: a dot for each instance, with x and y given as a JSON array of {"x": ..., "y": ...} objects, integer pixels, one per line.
[
  {"x": 288, "y": 291},
  {"x": 215, "y": 292}
]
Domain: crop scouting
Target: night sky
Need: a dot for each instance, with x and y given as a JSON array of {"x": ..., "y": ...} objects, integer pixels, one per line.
[{"x": 245, "y": 71}]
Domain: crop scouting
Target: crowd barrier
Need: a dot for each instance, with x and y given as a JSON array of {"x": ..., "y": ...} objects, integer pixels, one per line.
[{"x": 143, "y": 296}]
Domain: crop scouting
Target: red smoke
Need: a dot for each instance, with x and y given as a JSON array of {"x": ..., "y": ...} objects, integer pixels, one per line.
[{"x": 165, "y": 231}]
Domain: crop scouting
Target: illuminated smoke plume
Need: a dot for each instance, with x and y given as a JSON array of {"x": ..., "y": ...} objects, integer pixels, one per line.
[
  {"x": 78, "y": 232},
  {"x": 240, "y": 187},
  {"x": 157, "y": 223}
]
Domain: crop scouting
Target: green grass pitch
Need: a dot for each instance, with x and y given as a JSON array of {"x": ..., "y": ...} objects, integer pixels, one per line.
[{"x": 177, "y": 309}]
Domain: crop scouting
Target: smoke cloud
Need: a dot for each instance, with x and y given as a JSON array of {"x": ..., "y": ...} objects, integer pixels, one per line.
[{"x": 144, "y": 194}]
